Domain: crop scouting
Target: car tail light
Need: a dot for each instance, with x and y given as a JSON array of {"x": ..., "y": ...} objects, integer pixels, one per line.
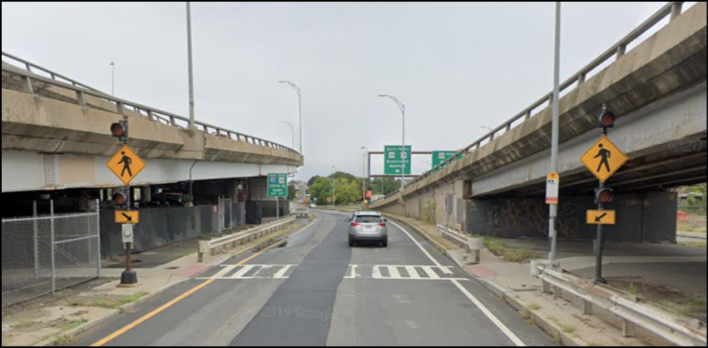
[
  {"x": 355, "y": 224},
  {"x": 383, "y": 224}
]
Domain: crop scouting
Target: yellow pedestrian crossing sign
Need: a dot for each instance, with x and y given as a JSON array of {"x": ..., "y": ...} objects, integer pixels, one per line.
[
  {"x": 604, "y": 159},
  {"x": 126, "y": 164}
]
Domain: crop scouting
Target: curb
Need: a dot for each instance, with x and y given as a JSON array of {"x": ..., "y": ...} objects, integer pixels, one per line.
[
  {"x": 549, "y": 327},
  {"x": 92, "y": 324}
]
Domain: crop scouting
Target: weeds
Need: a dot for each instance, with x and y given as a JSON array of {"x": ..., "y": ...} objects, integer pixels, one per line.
[
  {"x": 64, "y": 340},
  {"x": 569, "y": 329},
  {"x": 74, "y": 324},
  {"x": 534, "y": 306}
]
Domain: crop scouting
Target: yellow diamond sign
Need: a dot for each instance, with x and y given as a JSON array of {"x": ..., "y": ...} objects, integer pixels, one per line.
[
  {"x": 604, "y": 159},
  {"x": 126, "y": 164}
]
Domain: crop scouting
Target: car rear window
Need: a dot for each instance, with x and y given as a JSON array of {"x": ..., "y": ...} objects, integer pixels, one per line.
[{"x": 368, "y": 219}]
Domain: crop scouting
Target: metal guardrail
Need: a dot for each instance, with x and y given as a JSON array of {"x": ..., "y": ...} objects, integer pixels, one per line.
[
  {"x": 29, "y": 66},
  {"x": 675, "y": 328},
  {"x": 241, "y": 237},
  {"x": 672, "y": 9},
  {"x": 150, "y": 113},
  {"x": 474, "y": 245}
]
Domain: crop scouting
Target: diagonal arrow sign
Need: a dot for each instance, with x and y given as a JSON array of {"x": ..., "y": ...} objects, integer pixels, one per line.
[
  {"x": 599, "y": 218},
  {"x": 130, "y": 219}
]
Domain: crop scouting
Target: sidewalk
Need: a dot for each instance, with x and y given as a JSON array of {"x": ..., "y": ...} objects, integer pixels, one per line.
[
  {"x": 56, "y": 319},
  {"x": 654, "y": 266},
  {"x": 693, "y": 235}
]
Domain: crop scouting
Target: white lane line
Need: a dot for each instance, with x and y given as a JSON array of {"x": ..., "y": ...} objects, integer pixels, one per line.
[
  {"x": 242, "y": 272},
  {"x": 431, "y": 272},
  {"x": 282, "y": 272},
  {"x": 393, "y": 270},
  {"x": 418, "y": 244},
  {"x": 489, "y": 315},
  {"x": 412, "y": 273},
  {"x": 224, "y": 271},
  {"x": 353, "y": 272}
]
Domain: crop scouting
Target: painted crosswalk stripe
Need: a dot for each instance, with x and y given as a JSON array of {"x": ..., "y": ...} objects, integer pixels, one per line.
[
  {"x": 224, "y": 271},
  {"x": 376, "y": 274},
  {"x": 412, "y": 273},
  {"x": 281, "y": 273},
  {"x": 430, "y": 272},
  {"x": 394, "y": 272},
  {"x": 242, "y": 272}
]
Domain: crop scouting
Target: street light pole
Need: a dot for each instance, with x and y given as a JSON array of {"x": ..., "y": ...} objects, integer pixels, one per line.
[
  {"x": 552, "y": 233},
  {"x": 113, "y": 79},
  {"x": 292, "y": 129},
  {"x": 334, "y": 168},
  {"x": 299, "y": 106},
  {"x": 363, "y": 178},
  {"x": 402, "y": 108},
  {"x": 191, "y": 71}
]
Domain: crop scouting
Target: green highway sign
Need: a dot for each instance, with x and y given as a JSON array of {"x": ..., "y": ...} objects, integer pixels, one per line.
[
  {"x": 278, "y": 185},
  {"x": 441, "y": 156},
  {"x": 396, "y": 160}
]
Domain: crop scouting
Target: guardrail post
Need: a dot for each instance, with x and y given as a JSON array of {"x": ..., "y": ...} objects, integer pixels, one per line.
[
  {"x": 119, "y": 108},
  {"x": 173, "y": 123},
  {"x": 546, "y": 286},
  {"x": 587, "y": 307},
  {"x": 628, "y": 328},
  {"x": 621, "y": 50},
  {"x": 581, "y": 78},
  {"x": 150, "y": 116},
  {"x": 557, "y": 293},
  {"x": 81, "y": 98},
  {"x": 676, "y": 10},
  {"x": 27, "y": 85}
]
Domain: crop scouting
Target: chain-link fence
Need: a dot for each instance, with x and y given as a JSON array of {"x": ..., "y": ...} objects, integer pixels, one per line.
[
  {"x": 225, "y": 214},
  {"x": 46, "y": 253}
]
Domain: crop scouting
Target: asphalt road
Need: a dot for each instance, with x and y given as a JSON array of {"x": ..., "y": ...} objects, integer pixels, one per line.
[{"x": 317, "y": 291}]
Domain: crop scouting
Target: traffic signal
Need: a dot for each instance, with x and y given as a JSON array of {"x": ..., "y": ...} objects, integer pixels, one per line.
[
  {"x": 604, "y": 195},
  {"x": 120, "y": 198},
  {"x": 120, "y": 130},
  {"x": 606, "y": 119}
]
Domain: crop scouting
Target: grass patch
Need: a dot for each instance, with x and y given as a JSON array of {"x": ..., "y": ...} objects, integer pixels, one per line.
[
  {"x": 500, "y": 249},
  {"x": 64, "y": 340},
  {"x": 525, "y": 314},
  {"x": 569, "y": 329},
  {"x": 120, "y": 303},
  {"x": 532, "y": 320},
  {"x": 692, "y": 302},
  {"x": 701, "y": 245},
  {"x": 74, "y": 324},
  {"x": 557, "y": 337},
  {"x": 132, "y": 298},
  {"x": 534, "y": 306},
  {"x": 692, "y": 228},
  {"x": 632, "y": 289}
]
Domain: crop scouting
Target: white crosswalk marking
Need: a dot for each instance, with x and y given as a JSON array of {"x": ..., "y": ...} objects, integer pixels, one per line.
[
  {"x": 281, "y": 273},
  {"x": 430, "y": 272},
  {"x": 395, "y": 272},
  {"x": 255, "y": 271},
  {"x": 242, "y": 272},
  {"x": 412, "y": 273},
  {"x": 224, "y": 271}
]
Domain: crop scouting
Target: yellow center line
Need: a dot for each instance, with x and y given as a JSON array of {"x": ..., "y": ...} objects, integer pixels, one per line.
[{"x": 147, "y": 317}]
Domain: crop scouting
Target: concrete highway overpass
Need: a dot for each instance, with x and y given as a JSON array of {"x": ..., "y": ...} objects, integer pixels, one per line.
[{"x": 658, "y": 90}]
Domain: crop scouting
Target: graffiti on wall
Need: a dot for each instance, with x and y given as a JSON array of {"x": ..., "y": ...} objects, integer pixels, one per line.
[{"x": 530, "y": 218}]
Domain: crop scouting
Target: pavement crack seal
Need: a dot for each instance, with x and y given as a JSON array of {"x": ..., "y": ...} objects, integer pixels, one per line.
[{"x": 201, "y": 286}]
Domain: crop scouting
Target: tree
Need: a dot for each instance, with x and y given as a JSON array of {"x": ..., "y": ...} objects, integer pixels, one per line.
[
  {"x": 312, "y": 180},
  {"x": 384, "y": 186},
  {"x": 292, "y": 191}
]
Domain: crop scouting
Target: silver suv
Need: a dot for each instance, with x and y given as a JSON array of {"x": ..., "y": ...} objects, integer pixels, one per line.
[{"x": 368, "y": 226}]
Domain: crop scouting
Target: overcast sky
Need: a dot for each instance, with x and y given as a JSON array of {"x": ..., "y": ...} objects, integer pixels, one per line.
[{"x": 457, "y": 66}]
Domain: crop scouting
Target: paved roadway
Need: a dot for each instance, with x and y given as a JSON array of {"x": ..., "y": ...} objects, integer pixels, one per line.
[{"x": 317, "y": 291}]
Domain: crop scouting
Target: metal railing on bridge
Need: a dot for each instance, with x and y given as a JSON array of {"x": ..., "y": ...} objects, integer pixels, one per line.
[
  {"x": 29, "y": 72},
  {"x": 672, "y": 9}
]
